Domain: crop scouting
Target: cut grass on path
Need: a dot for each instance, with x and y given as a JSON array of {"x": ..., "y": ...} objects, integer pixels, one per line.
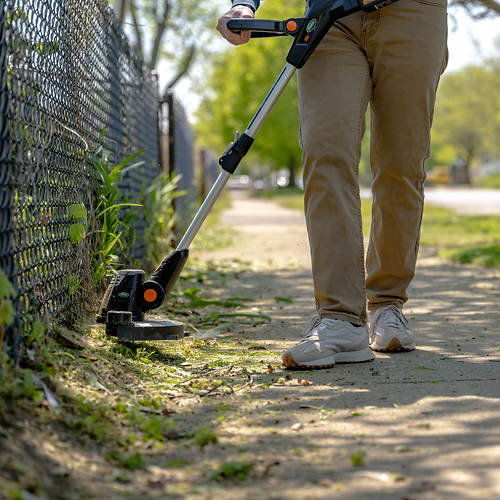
[
  {"x": 93, "y": 417},
  {"x": 468, "y": 239}
]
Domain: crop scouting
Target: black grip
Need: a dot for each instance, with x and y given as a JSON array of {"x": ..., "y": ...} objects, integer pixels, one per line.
[
  {"x": 262, "y": 25},
  {"x": 260, "y": 28}
]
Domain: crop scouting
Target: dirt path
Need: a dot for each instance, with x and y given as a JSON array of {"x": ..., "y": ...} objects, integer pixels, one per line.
[{"x": 423, "y": 425}]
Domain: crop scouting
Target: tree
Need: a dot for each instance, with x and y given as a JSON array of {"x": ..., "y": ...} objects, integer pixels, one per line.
[
  {"x": 238, "y": 83},
  {"x": 467, "y": 120},
  {"x": 175, "y": 31}
]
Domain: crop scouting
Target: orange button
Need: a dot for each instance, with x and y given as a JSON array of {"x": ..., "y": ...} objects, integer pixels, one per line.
[
  {"x": 291, "y": 25},
  {"x": 306, "y": 38},
  {"x": 150, "y": 295}
]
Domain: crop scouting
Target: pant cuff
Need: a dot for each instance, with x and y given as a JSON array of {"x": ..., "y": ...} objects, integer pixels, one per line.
[
  {"x": 356, "y": 320},
  {"x": 378, "y": 305}
]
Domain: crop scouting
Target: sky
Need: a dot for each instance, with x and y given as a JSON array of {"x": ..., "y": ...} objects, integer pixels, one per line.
[{"x": 468, "y": 42}]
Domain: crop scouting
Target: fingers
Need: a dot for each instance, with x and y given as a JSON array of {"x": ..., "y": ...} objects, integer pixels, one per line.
[{"x": 235, "y": 12}]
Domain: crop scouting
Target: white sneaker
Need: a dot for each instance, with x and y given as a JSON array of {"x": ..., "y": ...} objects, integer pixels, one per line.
[
  {"x": 327, "y": 342},
  {"x": 389, "y": 330}
]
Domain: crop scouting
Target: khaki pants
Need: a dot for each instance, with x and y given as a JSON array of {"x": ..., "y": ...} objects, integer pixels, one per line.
[{"x": 392, "y": 59}]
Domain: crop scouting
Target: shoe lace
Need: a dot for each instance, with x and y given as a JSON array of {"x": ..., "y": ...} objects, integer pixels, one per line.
[{"x": 393, "y": 316}]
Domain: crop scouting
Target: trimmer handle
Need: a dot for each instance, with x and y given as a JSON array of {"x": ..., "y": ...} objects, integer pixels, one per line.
[{"x": 262, "y": 28}]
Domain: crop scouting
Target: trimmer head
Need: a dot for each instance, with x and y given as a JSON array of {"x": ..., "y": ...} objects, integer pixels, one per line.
[
  {"x": 129, "y": 296},
  {"x": 149, "y": 329}
]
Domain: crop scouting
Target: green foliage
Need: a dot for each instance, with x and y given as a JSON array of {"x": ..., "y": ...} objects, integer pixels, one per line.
[
  {"x": 77, "y": 230},
  {"x": 232, "y": 470},
  {"x": 466, "y": 117},
  {"x": 7, "y": 293},
  {"x": 204, "y": 437},
  {"x": 108, "y": 208},
  {"x": 160, "y": 215},
  {"x": 7, "y": 312},
  {"x": 156, "y": 428},
  {"x": 196, "y": 301},
  {"x": 238, "y": 83},
  {"x": 286, "y": 300},
  {"x": 132, "y": 461},
  {"x": 358, "y": 458},
  {"x": 29, "y": 389},
  {"x": 174, "y": 29}
]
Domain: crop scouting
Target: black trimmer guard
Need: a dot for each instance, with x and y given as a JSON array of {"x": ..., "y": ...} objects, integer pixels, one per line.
[
  {"x": 151, "y": 329},
  {"x": 128, "y": 297}
]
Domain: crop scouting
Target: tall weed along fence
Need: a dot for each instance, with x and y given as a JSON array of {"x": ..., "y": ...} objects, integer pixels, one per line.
[{"x": 71, "y": 94}]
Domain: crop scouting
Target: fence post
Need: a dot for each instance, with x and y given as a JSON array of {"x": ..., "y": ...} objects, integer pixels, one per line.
[{"x": 171, "y": 133}]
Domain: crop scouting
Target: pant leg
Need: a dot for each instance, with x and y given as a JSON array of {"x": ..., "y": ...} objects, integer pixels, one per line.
[
  {"x": 334, "y": 91},
  {"x": 407, "y": 51}
]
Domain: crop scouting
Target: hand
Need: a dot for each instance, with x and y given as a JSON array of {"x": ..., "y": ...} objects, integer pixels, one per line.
[{"x": 230, "y": 36}]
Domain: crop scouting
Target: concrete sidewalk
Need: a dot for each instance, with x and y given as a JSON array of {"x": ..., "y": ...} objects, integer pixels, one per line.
[{"x": 420, "y": 425}]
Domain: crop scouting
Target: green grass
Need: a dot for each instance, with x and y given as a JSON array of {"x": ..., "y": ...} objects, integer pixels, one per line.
[
  {"x": 467, "y": 239},
  {"x": 492, "y": 181},
  {"x": 488, "y": 256}
]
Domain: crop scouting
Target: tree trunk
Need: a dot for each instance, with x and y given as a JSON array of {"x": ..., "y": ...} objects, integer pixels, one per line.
[{"x": 468, "y": 162}]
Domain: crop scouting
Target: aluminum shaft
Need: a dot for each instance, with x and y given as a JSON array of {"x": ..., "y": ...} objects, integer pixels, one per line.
[
  {"x": 204, "y": 210},
  {"x": 270, "y": 100}
]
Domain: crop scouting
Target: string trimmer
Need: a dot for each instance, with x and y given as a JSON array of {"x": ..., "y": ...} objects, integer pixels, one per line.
[{"x": 129, "y": 296}]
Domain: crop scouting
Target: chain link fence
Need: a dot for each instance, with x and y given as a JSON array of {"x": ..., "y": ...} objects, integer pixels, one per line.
[
  {"x": 179, "y": 149},
  {"x": 69, "y": 85}
]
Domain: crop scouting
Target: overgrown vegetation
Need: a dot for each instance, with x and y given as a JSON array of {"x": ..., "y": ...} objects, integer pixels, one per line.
[
  {"x": 120, "y": 405},
  {"x": 160, "y": 216}
]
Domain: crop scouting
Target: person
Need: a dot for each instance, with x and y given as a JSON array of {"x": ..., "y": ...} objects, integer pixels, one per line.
[{"x": 392, "y": 59}]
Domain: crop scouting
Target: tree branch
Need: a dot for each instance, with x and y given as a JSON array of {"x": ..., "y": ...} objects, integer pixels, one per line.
[
  {"x": 184, "y": 65},
  {"x": 137, "y": 29},
  {"x": 121, "y": 9},
  {"x": 161, "y": 25}
]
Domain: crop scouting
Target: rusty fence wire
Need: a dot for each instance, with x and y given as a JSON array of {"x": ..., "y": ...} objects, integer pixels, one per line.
[{"x": 69, "y": 85}]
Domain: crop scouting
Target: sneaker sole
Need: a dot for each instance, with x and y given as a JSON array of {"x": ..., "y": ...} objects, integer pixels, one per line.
[
  {"x": 330, "y": 361},
  {"x": 393, "y": 346}
]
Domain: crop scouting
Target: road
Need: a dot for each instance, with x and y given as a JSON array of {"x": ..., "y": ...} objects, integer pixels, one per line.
[{"x": 471, "y": 201}]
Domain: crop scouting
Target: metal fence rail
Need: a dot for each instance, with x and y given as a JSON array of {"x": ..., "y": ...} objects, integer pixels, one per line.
[{"x": 69, "y": 84}]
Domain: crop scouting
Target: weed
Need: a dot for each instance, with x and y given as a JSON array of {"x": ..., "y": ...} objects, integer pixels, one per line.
[
  {"x": 358, "y": 459},
  {"x": 7, "y": 312},
  {"x": 178, "y": 462},
  {"x": 232, "y": 470},
  {"x": 107, "y": 210},
  {"x": 283, "y": 299},
  {"x": 158, "y": 200},
  {"x": 132, "y": 461},
  {"x": 204, "y": 436}
]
